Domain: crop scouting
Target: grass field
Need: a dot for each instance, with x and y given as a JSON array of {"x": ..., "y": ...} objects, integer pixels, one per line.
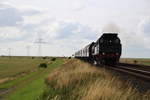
[
  {"x": 23, "y": 79},
  {"x": 142, "y": 61},
  {"x": 14, "y": 66},
  {"x": 77, "y": 80}
]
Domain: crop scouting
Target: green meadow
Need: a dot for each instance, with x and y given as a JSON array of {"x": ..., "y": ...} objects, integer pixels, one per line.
[{"x": 22, "y": 79}]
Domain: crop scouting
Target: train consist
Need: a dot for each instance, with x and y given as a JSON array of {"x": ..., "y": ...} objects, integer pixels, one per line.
[{"x": 106, "y": 50}]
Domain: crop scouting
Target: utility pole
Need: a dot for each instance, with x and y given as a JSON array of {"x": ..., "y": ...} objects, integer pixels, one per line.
[{"x": 40, "y": 41}]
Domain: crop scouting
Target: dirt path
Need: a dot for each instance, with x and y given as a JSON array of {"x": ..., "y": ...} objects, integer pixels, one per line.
[{"x": 5, "y": 80}]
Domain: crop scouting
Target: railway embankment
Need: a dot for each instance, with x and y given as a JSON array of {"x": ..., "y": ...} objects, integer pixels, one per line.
[{"x": 77, "y": 80}]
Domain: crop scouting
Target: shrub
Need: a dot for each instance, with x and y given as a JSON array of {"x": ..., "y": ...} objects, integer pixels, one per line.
[
  {"x": 135, "y": 61},
  {"x": 53, "y": 59},
  {"x": 44, "y": 57},
  {"x": 69, "y": 57},
  {"x": 43, "y": 65}
]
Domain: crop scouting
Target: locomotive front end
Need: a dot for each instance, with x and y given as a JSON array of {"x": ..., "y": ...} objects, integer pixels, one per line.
[{"x": 107, "y": 49}]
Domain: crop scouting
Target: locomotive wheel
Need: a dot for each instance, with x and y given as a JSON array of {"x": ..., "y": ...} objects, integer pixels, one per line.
[{"x": 103, "y": 62}]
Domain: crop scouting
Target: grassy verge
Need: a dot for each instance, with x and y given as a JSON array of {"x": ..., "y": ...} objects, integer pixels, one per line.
[
  {"x": 142, "y": 61},
  {"x": 29, "y": 86},
  {"x": 77, "y": 80}
]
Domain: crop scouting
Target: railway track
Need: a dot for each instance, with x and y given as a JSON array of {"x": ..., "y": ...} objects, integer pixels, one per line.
[
  {"x": 137, "y": 66},
  {"x": 140, "y": 71}
]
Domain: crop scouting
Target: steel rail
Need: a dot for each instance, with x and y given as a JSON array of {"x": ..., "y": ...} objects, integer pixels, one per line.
[
  {"x": 130, "y": 64},
  {"x": 135, "y": 70},
  {"x": 142, "y": 74}
]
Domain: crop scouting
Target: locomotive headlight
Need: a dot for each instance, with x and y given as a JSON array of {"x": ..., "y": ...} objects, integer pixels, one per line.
[
  {"x": 117, "y": 40},
  {"x": 103, "y": 53}
]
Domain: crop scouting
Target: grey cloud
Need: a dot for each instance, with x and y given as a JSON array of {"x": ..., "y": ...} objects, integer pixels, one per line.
[
  {"x": 28, "y": 31},
  {"x": 87, "y": 32},
  {"x": 9, "y": 16},
  {"x": 29, "y": 27},
  {"x": 20, "y": 38},
  {"x": 13, "y": 17},
  {"x": 135, "y": 51},
  {"x": 146, "y": 27},
  {"x": 136, "y": 43},
  {"x": 30, "y": 12},
  {"x": 67, "y": 30},
  {"x": 15, "y": 34}
]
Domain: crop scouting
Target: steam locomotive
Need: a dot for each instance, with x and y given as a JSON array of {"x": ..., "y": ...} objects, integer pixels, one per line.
[{"x": 106, "y": 50}]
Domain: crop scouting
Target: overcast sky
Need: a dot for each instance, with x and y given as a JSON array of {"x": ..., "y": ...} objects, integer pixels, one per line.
[{"x": 65, "y": 26}]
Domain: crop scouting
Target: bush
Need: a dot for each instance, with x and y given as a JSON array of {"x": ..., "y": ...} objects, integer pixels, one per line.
[
  {"x": 53, "y": 59},
  {"x": 44, "y": 57},
  {"x": 69, "y": 57},
  {"x": 135, "y": 61},
  {"x": 43, "y": 65}
]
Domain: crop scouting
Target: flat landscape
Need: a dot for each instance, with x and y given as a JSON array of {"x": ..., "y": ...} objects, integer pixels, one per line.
[
  {"x": 141, "y": 61},
  {"x": 74, "y": 50},
  {"x": 21, "y": 78}
]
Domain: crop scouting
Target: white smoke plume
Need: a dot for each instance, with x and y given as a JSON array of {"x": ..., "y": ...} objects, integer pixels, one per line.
[{"x": 111, "y": 28}]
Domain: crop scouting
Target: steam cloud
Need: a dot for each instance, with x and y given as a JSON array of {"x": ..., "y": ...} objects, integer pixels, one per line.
[{"x": 111, "y": 28}]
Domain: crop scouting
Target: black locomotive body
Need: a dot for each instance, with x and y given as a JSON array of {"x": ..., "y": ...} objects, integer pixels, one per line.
[{"x": 106, "y": 50}]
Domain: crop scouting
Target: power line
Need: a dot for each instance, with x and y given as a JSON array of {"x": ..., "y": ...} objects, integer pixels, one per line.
[{"x": 40, "y": 41}]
